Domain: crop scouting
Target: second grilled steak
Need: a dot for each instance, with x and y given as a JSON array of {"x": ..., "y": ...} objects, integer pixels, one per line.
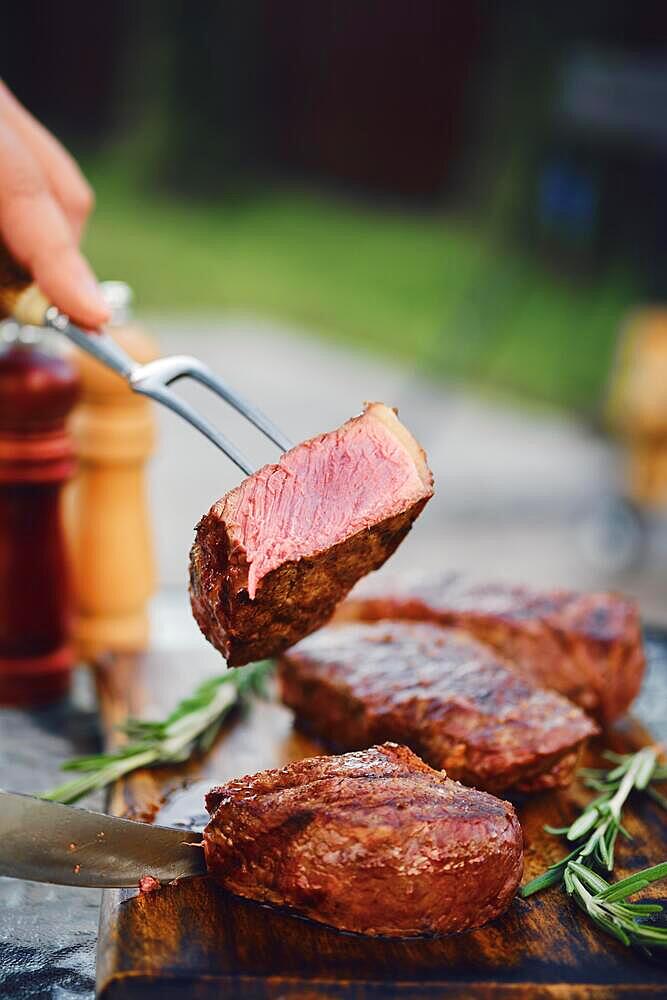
[
  {"x": 441, "y": 693},
  {"x": 586, "y": 646}
]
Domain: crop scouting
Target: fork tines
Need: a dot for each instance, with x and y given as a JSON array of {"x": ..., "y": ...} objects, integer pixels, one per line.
[{"x": 153, "y": 379}]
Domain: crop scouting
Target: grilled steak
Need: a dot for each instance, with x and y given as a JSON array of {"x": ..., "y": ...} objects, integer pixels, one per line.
[
  {"x": 274, "y": 556},
  {"x": 373, "y": 842},
  {"x": 441, "y": 693},
  {"x": 586, "y": 646}
]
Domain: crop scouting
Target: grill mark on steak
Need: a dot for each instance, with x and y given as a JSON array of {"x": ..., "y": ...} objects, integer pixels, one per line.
[
  {"x": 390, "y": 847},
  {"x": 448, "y": 697},
  {"x": 588, "y": 647},
  {"x": 273, "y": 557}
]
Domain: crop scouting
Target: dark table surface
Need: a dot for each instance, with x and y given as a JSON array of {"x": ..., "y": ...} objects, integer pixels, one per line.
[{"x": 47, "y": 933}]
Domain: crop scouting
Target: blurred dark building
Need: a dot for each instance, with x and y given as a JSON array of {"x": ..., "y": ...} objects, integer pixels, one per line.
[
  {"x": 370, "y": 94},
  {"x": 548, "y": 121}
]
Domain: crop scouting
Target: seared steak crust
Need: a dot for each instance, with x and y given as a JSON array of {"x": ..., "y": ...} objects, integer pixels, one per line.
[
  {"x": 273, "y": 557},
  {"x": 586, "y": 646},
  {"x": 440, "y": 692},
  {"x": 374, "y": 842}
]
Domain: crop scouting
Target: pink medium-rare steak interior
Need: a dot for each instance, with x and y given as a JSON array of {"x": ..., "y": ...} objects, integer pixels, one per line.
[
  {"x": 273, "y": 557},
  {"x": 323, "y": 491}
]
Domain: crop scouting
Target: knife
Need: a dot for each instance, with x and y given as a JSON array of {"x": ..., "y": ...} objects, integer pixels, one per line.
[{"x": 49, "y": 842}]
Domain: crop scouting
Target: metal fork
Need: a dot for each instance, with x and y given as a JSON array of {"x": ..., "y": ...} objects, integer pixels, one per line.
[
  {"x": 153, "y": 379},
  {"x": 23, "y": 301}
]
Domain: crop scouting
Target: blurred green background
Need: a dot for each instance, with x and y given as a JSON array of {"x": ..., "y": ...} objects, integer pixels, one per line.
[
  {"x": 473, "y": 189},
  {"x": 433, "y": 291}
]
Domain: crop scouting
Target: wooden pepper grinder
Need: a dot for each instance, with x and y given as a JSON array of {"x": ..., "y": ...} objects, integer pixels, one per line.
[
  {"x": 37, "y": 392},
  {"x": 108, "y": 522}
]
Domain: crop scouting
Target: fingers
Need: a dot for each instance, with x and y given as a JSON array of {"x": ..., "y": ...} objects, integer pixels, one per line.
[
  {"x": 40, "y": 235},
  {"x": 69, "y": 186}
]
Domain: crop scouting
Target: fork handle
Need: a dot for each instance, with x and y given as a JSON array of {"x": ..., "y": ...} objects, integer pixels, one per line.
[{"x": 20, "y": 298}]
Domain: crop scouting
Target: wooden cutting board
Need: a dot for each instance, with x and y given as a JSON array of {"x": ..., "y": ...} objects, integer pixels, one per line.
[{"x": 195, "y": 940}]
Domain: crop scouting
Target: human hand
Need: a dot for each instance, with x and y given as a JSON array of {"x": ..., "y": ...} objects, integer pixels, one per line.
[{"x": 44, "y": 204}]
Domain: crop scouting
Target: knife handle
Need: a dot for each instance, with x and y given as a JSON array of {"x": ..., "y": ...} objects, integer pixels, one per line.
[{"x": 20, "y": 298}]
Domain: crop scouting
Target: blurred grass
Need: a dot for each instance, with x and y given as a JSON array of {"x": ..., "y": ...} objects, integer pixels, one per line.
[{"x": 433, "y": 291}]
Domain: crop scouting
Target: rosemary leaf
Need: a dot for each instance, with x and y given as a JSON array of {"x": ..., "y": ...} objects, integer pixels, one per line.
[
  {"x": 634, "y": 883},
  {"x": 588, "y": 819},
  {"x": 589, "y": 877},
  {"x": 657, "y": 797}
]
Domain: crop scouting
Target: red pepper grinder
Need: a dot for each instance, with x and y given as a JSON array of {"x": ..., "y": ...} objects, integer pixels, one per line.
[{"x": 37, "y": 391}]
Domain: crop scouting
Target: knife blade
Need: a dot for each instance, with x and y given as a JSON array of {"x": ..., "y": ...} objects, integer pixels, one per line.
[{"x": 49, "y": 842}]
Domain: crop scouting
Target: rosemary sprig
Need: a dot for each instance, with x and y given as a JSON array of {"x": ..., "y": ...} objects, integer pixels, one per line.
[
  {"x": 606, "y": 904},
  {"x": 191, "y": 728},
  {"x": 595, "y": 832}
]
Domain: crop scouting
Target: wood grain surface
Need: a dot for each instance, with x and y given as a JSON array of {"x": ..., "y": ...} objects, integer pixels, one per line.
[{"x": 195, "y": 940}]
